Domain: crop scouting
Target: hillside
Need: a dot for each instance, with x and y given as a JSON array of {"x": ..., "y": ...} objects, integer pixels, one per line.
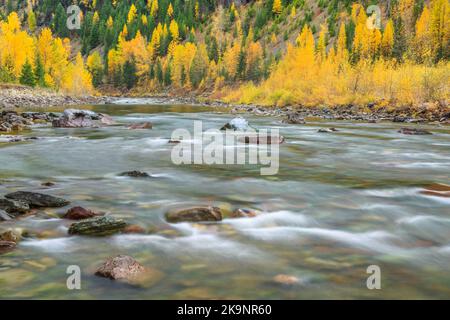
[{"x": 235, "y": 50}]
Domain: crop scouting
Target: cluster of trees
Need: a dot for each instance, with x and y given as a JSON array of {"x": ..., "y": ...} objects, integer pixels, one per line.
[
  {"x": 41, "y": 60},
  {"x": 154, "y": 45},
  {"x": 366, "y": 68}
]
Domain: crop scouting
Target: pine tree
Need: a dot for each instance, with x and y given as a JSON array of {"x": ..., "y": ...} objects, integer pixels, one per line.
[
  {"x": 31, "y": 20},
  {"x": 39, "y": 72},
  {"x": 129, "y": 74},
  {"x": 27, "y": 76}
]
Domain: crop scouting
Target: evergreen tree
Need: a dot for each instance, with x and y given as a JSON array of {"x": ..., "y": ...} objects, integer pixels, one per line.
[
  {"x": 129, "y": 74},
  {"x": 27, "y": 76},
  {"x": 39, "y": 73}
]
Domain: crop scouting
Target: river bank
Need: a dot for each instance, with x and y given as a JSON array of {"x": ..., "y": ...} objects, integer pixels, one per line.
[{"x": 15, "y": 96}]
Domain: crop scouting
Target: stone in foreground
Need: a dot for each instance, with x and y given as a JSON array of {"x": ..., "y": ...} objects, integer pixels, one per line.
[
  {"x": 195, "y": 214},
  {"x": 99, "y": 226},
  {"x": 120, "y": 267},
  {"x": 38, "y": 200},
  {"x": 4, "y": 216},
  {"x": 79, "y": 213}
]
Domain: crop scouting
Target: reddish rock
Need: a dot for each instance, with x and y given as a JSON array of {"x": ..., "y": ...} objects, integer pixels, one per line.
[{"x": 80, "y": 213}]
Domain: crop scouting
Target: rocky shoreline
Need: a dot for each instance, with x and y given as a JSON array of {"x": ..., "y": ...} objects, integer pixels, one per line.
[{"x": 24, "y": 97}]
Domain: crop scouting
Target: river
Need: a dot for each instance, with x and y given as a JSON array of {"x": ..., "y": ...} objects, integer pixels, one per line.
[{"x": 340, "y": 203}]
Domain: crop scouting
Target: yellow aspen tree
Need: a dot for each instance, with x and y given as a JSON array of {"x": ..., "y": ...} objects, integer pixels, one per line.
[
  {"x": 341, "y": 46},
  {"x": 277, "y": 7},
  {"x": 293, "y": 12},
  {"x": 154, "y": 7},
  {"x": 387, "y": 42},
  {"x": 131, "y": 14},
  {"x": 173, "y": 29},
  {"x": 31, "y": 20},
  {"x": 321, "y": 50},
  {"x": 95, "y": 18},
  {"x": 440, "y": 29},
  {"x": 170, "y": 10},
  {"x": 197, "y": 10},
  {"x": 231, "y": 59},
  {"x": 109, "y": 22},
  {"x": 144, "y": 19}
]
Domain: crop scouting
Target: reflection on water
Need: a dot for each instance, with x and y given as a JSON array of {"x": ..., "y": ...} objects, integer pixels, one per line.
[{"x": 340, "y": 203}]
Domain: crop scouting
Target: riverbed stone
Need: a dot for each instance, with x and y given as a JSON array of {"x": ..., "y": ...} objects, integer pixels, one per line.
[
  {"x": 10, "y": 235},
  {"x": 286, "y": 279},
  {"x": 120, "y": 267},
  {"x": 195, "y": 214},
  {"x": 414, "y": 131},
  {"x": 98, "y": 226},
  {"x": 37, "y": 200},
  {"x": 14, "y": 206},
  {"x": 80, "y": 213},
  {"x": 141, "y": 125}
]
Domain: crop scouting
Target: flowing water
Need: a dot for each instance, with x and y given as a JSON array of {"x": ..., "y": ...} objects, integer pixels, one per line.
[{"x": 340, "y": 203}]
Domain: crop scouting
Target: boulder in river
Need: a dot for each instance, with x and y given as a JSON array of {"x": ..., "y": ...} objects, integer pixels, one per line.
[
  {"x": 195, "y": 214},
  {"x": 75, "y": 118},
  {"x": 141, "y": 125},
  {"x": 79, "y": 213},
  {"x": 135, "y": 174},
  {"x": 237, "y": 124},
  {"x": 14, "y": 206},
  {"x": 286, "y": 279},
  {"x": 38, "y": 200},
  {"x": 98, "y": 226},
  {"x": 414, "y": 131},
  {"x": 294, "y": 118},
  {"x": 120, "y": 267}
]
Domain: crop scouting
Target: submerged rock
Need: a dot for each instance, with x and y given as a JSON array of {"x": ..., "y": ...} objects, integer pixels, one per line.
[
  {"x": 14, "y": 206},
  {"x": 237, "y": 124},
  {"x": 98, "y": 226},
  {"x": 5, "y": 138},
  {"x": 294, "y": 118},
  {"x": 244, "y": 213},
  {"x": 174, "y": 141},
  {"x": 285, "y": 279},
  {"x": 75, "y": 118},
  {"x": 195, "y": 214},
  {"x": 6, "y": 246},
  {"x": 141, "y": 125},
  {"x": 134, "y": 228},
  {"x": 37, "y": 200},
  {"x": 79, "y": 213},
  {"x": 414, "y": 131},
  {"x": 327, "y": 130},
  {"x": 261, "y": 140},
  {"x": 11, "y": 121},
  {"x": 120, "y": 267},
  {"x": 135, "y": 174}
]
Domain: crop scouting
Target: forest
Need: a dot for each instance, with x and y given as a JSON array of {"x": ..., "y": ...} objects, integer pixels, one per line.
[{"x": 276, "y": 52}]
